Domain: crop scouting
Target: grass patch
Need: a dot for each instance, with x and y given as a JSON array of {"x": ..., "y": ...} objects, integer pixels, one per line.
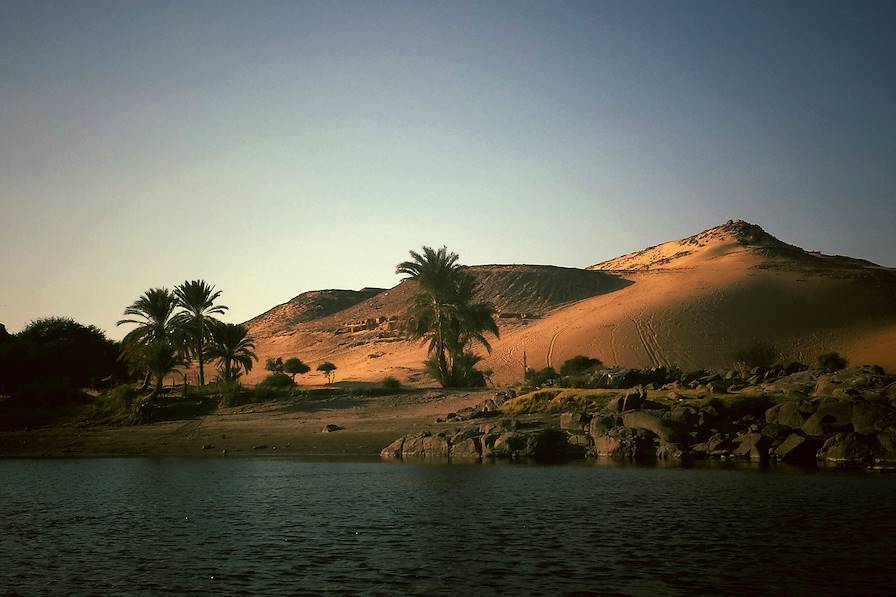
[{"x": 557, "y": 400}]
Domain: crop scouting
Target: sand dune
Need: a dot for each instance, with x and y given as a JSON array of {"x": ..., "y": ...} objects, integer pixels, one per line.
[{"x": 694, "y": 303}]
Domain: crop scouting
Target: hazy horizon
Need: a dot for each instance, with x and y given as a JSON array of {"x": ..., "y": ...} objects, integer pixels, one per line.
[{"x": 277, "y": 148}]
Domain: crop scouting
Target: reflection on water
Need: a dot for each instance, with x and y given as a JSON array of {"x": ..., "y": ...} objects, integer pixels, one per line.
[{"x": 281, "y": 526}]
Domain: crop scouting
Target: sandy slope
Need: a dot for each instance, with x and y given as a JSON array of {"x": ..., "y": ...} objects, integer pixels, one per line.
[{"x": 693, "y": 302}]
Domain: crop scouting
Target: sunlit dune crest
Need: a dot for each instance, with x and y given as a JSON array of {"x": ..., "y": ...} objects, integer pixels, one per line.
[{"x": 692, "y": 302}]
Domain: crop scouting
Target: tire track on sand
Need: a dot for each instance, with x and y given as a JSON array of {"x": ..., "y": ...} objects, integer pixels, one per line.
[
  {"x": 644, "y": 342},
  {"x": 652, "y": 337}
]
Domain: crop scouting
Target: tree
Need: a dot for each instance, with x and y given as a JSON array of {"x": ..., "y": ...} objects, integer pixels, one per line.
[
  {"x": 274, "y": 365},
  {"x": 232, "y": 346},
  {"x": 161, "y": 358},
  {"x": 444, "y": 315},
  {"x": 60, "y": 349},
  {"x": 327, "y": 368},
  {"x": 152, "y": 313},
  {"x": 295, "y": 366},
  {"x": 196, "y": 299}
]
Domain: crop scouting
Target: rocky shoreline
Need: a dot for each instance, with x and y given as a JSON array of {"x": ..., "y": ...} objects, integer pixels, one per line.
[{"x": 813, "y": 417}]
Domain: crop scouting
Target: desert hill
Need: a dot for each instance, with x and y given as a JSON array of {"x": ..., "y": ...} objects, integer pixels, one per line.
[{"x": 693, "y": 302}]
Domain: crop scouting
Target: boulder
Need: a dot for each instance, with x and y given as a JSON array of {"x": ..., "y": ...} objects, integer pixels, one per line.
[
  {"x": 572, "y": 421},
  {"x": 796, "y": 448},
  {"x": 499, "y": 426},
  {"x": 753, "y": 446},
  {"x": 465, "y": 434},
  {"x": 632, "y": 399},
  {"x": 774, "y": 431},
  {"x": 467, "y": 449},
  {"x": 624, "y": 442},
  {"x": 683, "y": 416},
  {"x": 393, "y": 450},
  {"x": 601, "y": 424},
  {"x": 887, "y": 442},
  {"x": 330, "y": 428},
  {"x": 511, "y": 444},
  {"x": 425, "y": 445},
  {"x": 580, "y": 440},
  {"x": 869, "y": 417},
  {"x": 847, "y": 448},
  {"x": 787, "y": 413},
  {"x": 652, "y": 421},
  {"x": 669, "y": 451},
  {"x": 832, "y": 415}
]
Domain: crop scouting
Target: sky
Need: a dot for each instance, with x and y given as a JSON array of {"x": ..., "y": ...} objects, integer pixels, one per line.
[{"x": 277, "y": 147}]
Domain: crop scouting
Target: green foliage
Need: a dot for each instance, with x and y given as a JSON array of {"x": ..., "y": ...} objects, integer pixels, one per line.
[
  {"x": 232, "y": 346},
  {"x": 327, "y": 368},
  {"x": 391, "y": 383},
  {"x": 114, "y": 405},
  {"x": 60, "y": 351},
  {"x": 295, "y": 366},
  {"x": 161, "y": 358},
  {"x": 578, "y": 365},
  {"x": 540, "y": 377},
  {"x": 196, "y": 299},
  {"x": 277, "y": 381},
  {"x": 274, "y": 365},
  {"x": 444, "y": 314},
  {"x": 832, "y": 361}
]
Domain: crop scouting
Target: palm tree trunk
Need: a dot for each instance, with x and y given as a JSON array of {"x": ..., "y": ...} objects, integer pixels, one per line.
[
  {"x": 201, "y": 360},
  {"x": 158, "y": 389},
  {"x": 146, "y": 380}
]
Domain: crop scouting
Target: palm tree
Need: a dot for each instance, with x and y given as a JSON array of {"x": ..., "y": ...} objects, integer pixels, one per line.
[
  {"x": 445, "y": 315},
  {"x": 232, "y": 346},
  {"x": 196, "y": 298},
  {"x": 152, "y": 314},
  {"x": 161, "y": 359}
]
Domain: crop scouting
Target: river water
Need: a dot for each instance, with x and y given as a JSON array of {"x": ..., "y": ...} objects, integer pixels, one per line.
[{"x": 289, "y": 526}]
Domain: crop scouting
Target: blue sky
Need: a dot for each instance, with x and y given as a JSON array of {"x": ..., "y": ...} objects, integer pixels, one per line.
[{"x": 278, "y": 147}]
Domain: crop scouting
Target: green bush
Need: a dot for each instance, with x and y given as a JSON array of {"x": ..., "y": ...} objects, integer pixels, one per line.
[
  {"x": 542, "y": 376},
  {"x": 277, "y": 381},
  {"x": 832, "y": 361},
  {"x": 579, "y": 364},
  {"x": 113, "y": 405},
  {"x": 391, "y": 383}
]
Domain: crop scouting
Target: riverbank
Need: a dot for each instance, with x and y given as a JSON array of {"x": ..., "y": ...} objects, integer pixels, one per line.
[{"x": 284, "y": 426}]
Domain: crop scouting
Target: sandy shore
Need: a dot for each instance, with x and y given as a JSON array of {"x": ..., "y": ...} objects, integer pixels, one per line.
[{"x": 282, "y": 427}]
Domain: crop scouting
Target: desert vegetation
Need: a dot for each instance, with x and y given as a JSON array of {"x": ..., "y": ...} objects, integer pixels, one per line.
[{"x": 444, "y": 315}]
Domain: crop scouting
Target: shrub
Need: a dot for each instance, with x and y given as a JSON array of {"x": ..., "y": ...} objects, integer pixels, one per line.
[
  {"x": 277, "y": 381},
  {"x": 832, "y": 361},
  {"x": 578, "y": 364},
  {"x": 327, "y": 368},
  {"x": 391, "y": 383},
  {"x": 48, "y": 391},
  {"x": 758, "y": 354},
  {"x": 274, "y": 365},
  {"x": 540, "y": 377}
]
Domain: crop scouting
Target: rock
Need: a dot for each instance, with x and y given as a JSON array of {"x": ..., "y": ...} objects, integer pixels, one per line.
[
  {"x": 847, "y": 448},
  {"x": 260, "y": 447},
  {"x": 467, "y": 449},
  {"x": 464, "y": 435},
  {"x": 796, "y": 448},
  {"x": 668, "y": 451},
  {"x": 580, "y": 440},
  {"x": 330, "y": 428},
  {"x": 393, "y": 450},
  {"x": 624, "y": 442},
  {"x": 887, "y": 442},
  {"x": 425, "y": 445},
  {"x": 207, "y": 446},
  {"x": 572, "y": 421},
  {"x": 602, "y": 424},
  {"x": 787, "y": 413},
  {"x": 683, "y": 416},
  {"x": 832, "y": 415},
  {"x": 775, "y": 431},
  {"x": 512, "y": 444},
  {"x": 642, "y": 419},
  {"x": 870, "y": 417},
  {"x": 632, "y": 399},
  {"x": 499, "y": 426},
  {"x": 753, "y": 446}
]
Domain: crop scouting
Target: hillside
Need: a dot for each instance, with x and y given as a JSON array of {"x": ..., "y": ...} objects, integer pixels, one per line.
[{"x": 693, "y": 302}]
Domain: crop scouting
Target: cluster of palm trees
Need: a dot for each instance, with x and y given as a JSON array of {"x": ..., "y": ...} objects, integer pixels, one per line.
[
  {"x": 445, "y": 314},
  {"x": 175, "y": 327}
]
